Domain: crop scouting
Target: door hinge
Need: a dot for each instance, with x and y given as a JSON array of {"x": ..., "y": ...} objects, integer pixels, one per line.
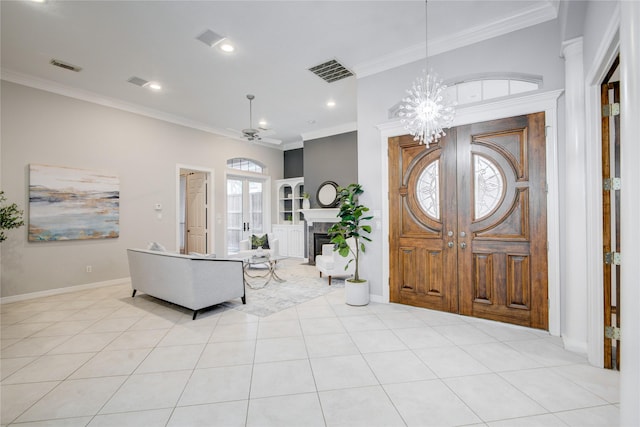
[
  {"x": 609, "y": 184},
  {"x": 612, "y": 258},
  {"x": 612, "y": 332},
  {"x": 611, "y": 110}
]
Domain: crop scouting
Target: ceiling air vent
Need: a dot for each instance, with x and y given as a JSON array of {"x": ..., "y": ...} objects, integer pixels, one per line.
[
  {"x": 331, "y": 71},
  {"x": 138, "y": 81},
  {"x": 65, "y": 65},
  {"x": 210, "y": 38}
]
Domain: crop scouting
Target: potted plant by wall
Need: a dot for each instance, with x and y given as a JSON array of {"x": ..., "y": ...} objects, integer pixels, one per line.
[
  {"x": 352, "y": 215},
  {"x": 10, "y": 216}
]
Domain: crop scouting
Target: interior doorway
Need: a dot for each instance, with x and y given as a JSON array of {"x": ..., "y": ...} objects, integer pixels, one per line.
[
  {"x": 194, "y": 208},
  {"x": 468, "y": 221},
  {"x": 611, "y": 230}
]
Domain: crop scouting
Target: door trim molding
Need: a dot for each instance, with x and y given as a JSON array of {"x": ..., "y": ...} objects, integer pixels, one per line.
[
  {"x": 607, "y": 51},
  {"x": 527, "y": 104},
  {"x": 211, "y": 205}
]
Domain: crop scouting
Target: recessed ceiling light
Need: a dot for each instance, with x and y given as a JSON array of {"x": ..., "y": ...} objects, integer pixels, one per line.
[
  {"x": 154, "y": 86},
  {"x": 262, "y": 122},
  {"x": 227, "y": 47},
  {"x": 331, "y": 103}
]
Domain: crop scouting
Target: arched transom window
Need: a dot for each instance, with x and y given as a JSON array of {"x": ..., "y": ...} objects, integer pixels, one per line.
[{"x": 246, "y": 165}]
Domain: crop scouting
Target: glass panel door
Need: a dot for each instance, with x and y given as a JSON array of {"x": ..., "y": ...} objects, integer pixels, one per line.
[
  {"x": 245, "y": 210},
  {"x": 235, "y": 221}
]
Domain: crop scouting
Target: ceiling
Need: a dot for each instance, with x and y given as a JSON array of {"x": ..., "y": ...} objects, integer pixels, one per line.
[{"x": 275, "y": 44}]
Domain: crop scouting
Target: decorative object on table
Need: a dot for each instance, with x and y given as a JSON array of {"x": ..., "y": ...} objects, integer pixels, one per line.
[
  {"x": 351, "y": 226},
  {"x": 427, "y": 111},
  {"x": 306, "y": 204},
  {"x": 327, "y": 195},
  {"x": 10, "y": 216},
  {"x": 72, "y": 204}
]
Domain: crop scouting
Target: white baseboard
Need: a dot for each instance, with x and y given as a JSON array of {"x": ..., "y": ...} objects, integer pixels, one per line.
[
  {"x": 574, "y": 345},
  {"x": 50, "y": 292},
  {"x": 378, "y": 298}
]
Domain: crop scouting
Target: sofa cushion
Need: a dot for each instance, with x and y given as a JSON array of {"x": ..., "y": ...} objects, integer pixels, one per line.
[{"x": 259, "y": 241}]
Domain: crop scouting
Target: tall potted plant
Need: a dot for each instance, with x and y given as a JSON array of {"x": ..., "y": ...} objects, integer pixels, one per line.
[
  {"x": 351, "y": 226},
  {"x": 10, "y": 216}
]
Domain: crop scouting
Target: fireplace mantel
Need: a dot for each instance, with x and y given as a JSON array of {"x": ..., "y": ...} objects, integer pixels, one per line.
[{"x": 320, "y": 215}]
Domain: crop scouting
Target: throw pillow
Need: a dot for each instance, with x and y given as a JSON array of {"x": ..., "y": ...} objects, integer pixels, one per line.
[
  {"x": 155, "y": 246},
  {"x": 259, "y": 241}
]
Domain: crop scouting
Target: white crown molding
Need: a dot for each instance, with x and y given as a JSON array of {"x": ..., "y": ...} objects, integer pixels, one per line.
[
  {"x": 335, "y": 130},
  {"x": 537, "y": 14},
  {"x": 293, "y": 145},
  {"x": 83, "y": 95}
]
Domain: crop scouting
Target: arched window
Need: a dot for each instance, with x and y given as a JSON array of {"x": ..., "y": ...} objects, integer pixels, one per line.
[
  {"x": 247, "y": 165},
  {"x": 477, "y": 88}
]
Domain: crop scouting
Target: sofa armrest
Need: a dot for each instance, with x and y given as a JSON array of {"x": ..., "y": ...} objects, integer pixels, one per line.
[{"x": 245, "y": 245}]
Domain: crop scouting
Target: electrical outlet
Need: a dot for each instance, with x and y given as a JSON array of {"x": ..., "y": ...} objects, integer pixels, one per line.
[{"x": 89, "y": 269}]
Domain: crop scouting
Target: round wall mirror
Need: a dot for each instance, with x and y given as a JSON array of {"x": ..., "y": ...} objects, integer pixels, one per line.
[{"x": 327, "y": 195}]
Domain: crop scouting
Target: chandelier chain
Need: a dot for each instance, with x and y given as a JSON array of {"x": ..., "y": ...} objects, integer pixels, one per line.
[{"x": 427, "y": 111}]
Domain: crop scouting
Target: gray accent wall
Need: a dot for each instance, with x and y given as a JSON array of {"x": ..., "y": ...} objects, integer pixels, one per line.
[
  {"x": 332, "y": 158},
  {"x": 46, "y": 128},
  {"x": 294, "y": 163}
]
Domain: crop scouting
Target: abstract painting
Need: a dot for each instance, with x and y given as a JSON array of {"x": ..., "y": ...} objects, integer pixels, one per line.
[{"x": 72, "y": 204}]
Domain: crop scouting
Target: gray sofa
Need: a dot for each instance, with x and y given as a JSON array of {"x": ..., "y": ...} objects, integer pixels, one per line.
[{"x": 191, "y": 281}]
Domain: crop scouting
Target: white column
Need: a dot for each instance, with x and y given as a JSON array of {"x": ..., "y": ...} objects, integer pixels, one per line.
[
  {"x": 630, "y": 212},
  {"x": 574, "y": 330}
]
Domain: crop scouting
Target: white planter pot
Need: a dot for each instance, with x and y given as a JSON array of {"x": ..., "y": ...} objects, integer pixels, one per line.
[
  {"x": 356, "y": 293},
  {"x": 306, "y": 204}
]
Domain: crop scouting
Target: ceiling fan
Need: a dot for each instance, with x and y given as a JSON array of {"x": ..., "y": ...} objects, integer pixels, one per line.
[{"x": 253, "y": 134}]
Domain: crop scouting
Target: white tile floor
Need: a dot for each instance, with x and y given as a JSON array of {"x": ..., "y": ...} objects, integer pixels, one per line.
[{"x": 101, "y": 358}]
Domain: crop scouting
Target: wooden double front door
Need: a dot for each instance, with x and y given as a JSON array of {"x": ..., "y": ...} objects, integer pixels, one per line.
[{"x": 468, "y": 230}]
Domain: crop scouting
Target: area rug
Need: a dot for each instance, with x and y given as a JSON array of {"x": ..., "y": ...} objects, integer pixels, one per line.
[{"x": 301, "y": 283}]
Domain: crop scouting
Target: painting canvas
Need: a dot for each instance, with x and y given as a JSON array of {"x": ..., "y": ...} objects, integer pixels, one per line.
[{"x": 72, "y": 204}]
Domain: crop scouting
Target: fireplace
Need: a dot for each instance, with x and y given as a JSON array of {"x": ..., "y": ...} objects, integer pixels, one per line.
[
  {"x": 320, "y": 239},
  {"x": 318, "y": 223}
]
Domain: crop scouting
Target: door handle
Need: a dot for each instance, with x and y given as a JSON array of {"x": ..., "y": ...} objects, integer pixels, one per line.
[{"x": 463, "y": 245}]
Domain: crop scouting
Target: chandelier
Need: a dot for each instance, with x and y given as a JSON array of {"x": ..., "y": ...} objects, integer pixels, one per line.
[{"x": 426, "y": 111}]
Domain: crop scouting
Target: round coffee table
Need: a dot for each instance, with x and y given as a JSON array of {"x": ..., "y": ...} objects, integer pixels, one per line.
[{"x": 267, "y": 274}]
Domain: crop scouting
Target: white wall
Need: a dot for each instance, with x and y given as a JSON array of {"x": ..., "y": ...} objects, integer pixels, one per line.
[
  {"x": 534, "y": 50},
  {"x": 42, "y": 127}
]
